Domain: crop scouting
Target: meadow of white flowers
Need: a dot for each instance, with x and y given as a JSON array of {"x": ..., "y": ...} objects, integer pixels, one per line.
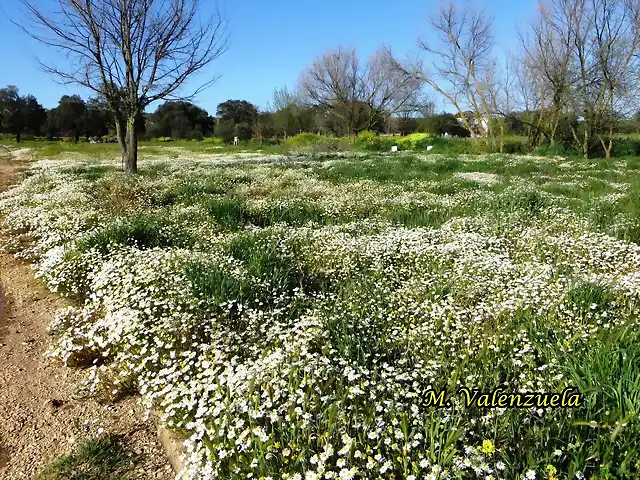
[{"x": 288, "y": 316}]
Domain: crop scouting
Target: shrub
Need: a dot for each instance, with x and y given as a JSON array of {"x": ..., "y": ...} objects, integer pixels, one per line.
[
  {"x": 445, "y": 123},
  {"x": 243, "y": 131},
  {"x": 515, "y": 146},
  {"x": 415, "y": 141},
  {"x": 554, "y": 150},
  {"x": 308, "y": 139},
  {"x": 225, "y": 130},
  {"x": 367, "y": 136},
  {"x": 213, "y": 141},
  {"x": 626, "y": 147}
]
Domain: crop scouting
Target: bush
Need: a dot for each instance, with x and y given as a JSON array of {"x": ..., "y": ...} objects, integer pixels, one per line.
[
  {"x": 515, "y": 146},
  {"x": 445, "y": 123},
  {"x": 308, "y": 139},
  {"x": 195, "y": 135},
  {"x": 243, "y": 131},
  {"x": 367, "y": 136},
  {"x": 626, "y": 147},
  {"x": 554, "y": 150},
  {"x": 213, "y": 141},
  {"x": 368, "y": 140},
  {"x": 225, "y": 130},
  {"x": 415, "y": 141}
]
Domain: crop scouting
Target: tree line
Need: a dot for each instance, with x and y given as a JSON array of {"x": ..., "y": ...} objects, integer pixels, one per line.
[{"x": 74, "y": 119}]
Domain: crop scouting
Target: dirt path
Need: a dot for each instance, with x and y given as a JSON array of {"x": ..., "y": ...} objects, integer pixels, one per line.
[{"x": 40, "y": 416}]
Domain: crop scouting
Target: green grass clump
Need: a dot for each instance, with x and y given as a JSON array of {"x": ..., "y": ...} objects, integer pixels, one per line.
[
  {"x": 100, "y": 458},
  {"x": 143, "y": 231}
]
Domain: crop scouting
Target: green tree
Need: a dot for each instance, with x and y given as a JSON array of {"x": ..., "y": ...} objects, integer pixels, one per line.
[
  {"x": 263, "y": 126},
  {"x": 287, "y": 121},
  {"x": 225, "y": 129},
  {"x": 99, "y": 119},
  {"x": 50, "y": 127},
  {"x": 243, "y": 131},
  {"x": 13, "y": 112},
  {"x": 36, "y": 115},
  {"x": 71, "y": 114},
  {"x": 237, "y": 111},
  {"x": 180, "y": 120}
]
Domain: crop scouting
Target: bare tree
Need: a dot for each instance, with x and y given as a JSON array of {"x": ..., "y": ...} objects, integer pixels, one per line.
[
  {"x": 131, "y": 52},
  {"x": 461, "y": 60},
  {"x": 357, "y": 94},
  {"x": 615, "y": 43},
  {"x": 579, "y": 59},
  {"x": 500, "y": 86}
]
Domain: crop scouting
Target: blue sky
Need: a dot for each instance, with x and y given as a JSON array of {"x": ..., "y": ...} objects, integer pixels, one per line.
[{"x": 271, "y": 42}]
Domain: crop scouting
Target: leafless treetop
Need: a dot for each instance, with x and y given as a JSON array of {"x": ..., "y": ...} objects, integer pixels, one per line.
[{"x": 145, "y": 46}]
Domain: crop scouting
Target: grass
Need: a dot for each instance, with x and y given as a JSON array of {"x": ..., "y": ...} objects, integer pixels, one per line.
[
  {"x": 144, "y": 231},
  {"x": 315, "y": 299},
  {"x": 99, "y": 458}
]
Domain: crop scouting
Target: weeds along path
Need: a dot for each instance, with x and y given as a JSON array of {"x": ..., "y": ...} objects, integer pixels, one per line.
[{"x": 41, "y": 416}]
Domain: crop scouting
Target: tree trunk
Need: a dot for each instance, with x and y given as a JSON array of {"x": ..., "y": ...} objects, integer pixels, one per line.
[
  {"x": 18, "y": 137},
  {"x": 131, "y": 162}
]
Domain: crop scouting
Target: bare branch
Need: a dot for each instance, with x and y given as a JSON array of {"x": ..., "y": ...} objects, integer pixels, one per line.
[{"x": 133, "y": 52}]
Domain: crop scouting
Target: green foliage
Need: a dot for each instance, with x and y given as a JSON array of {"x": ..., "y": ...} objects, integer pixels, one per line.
[
  {"x": 213, "y": 141},
  {"x": 225, "y": 129},
  {"x": 529, "y": 201},
  {"x": 237, "y": 111},
  {"x": 367, "y": 136},
  {"x": 243, "y": 131},
  {"x": 100, "y": 458},
  {"x": 309, "y": 275},
  {"x": 308, "y": 139},
  {"x": 415, "y": 141},
  {"x": 589, "y": 297},
  {"x": 70, "y": 116},
  {"x": 182, "y": 120},
  {"x": 142, "y": 231},
  {"x": 626, "y": 147},
  {"x": 20, "y": 114},
  {"x": 444, "y": 123}
]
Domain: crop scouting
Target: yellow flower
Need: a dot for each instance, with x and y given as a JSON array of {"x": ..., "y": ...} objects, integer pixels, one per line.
[
  {"x": 551, "y": 472},
  {"x": 488, "y": 447}
]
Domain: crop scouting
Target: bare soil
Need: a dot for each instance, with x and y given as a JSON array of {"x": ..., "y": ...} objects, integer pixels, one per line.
[{"x": 41, "y": 414}]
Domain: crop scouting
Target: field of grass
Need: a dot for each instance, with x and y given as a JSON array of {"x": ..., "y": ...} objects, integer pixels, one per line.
[
  {"x": 302, "y": 143},
  {"x": 288, "y": 313}
]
